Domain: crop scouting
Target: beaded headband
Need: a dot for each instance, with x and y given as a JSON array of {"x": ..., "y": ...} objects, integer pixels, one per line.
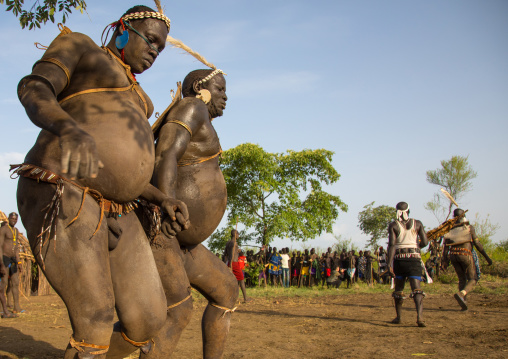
[
  {"x": 147, "y": 15},
  {"x": 212, "y": 74}
]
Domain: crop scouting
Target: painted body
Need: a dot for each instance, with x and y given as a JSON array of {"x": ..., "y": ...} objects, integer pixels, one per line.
[
  {"x": 187, "y": 168},
  {"x": 101, "y": 140},
  {"x": 459, "y": 244},
  {"x": 10, "y": 265},
  {"x": 394, "y": 233}
]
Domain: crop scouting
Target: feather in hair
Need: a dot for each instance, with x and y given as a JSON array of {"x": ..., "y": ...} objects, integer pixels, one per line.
[
  {"x": 449, "y": 196},
  {"x": 159, "y": 7},
  {"x": 181, "y": 45}
]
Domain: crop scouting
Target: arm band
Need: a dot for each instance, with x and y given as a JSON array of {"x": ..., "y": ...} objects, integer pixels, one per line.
[
  {"x": 60, "y": 65},
  {"x": 184, "y": 125},
  {"x": 25, "y": 80}
]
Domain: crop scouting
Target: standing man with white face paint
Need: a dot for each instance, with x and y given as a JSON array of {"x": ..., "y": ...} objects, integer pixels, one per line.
[{"x": 406, "y": 237}]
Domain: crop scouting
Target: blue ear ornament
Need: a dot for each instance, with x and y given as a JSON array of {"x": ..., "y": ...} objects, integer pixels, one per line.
[{"x": 122, "y": 40}]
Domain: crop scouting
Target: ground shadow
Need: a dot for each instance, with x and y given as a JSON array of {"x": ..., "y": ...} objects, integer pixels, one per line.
[
  {"x": 286, "y": 315},
  {"x": 13, "y": 341}
]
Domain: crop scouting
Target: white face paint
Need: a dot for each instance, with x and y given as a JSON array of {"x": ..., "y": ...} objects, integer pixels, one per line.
[{"x": 403, "y": 215}]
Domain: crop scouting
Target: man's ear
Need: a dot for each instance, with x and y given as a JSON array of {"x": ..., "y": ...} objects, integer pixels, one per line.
[{"x": 196, "y": 86}]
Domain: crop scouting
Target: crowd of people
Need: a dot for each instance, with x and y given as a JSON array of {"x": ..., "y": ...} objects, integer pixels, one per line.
[{"x": 270, "y": 266}]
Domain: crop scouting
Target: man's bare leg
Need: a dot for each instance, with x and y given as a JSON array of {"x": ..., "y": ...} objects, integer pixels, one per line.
[
  {"x": 418, "y": 295},
  {"x": 139, "y": 294},
  {"x": 3, "y": 300},
  {"x": 169, "y": 260},
  {"x": 398, "y": 299},
  {"x": 14, "y": 290},
  {"x": 214, "y": 280},
  {"x": 78, "y": 267},
  {"x": 75, "y": 264}
]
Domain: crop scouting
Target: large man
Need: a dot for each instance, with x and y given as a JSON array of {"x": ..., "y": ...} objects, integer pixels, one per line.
[
  {"x": 459, "y": 244},
  {"x": 406, "y": 237},
  {"x": 187, "y": 168},
  {"x": 91, "y": 246},
  {"x": 10, "y": 264}
]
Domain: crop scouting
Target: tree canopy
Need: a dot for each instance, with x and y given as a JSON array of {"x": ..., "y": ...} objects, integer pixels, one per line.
[
  {"x": 374, "y": 221},
  {"x": 455, "y": 176},
  {"x": 278, "y": 195},
  {"x": 42, "y": 10}
]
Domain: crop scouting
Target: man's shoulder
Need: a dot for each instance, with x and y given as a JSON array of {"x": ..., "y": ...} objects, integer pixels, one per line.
[
  {"x": 189, "y": 109},
  {"x": 73, "y": 42}
]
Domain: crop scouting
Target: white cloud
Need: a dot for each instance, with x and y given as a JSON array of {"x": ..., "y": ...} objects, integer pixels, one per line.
[{"x": 7, "y": 159}]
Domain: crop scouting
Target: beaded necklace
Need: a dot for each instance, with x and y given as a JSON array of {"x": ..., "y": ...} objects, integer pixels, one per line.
[{"x": 13, "y": 233}]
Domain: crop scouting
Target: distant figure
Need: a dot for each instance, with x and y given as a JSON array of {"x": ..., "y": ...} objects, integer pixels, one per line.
[
  {"x": 459, "y": 249},
  {"x": 10, "y": 264},
  {"x": 362, "y": 265},
  {"x": 285, "y": 264},
  {"x": 383, "y": 265},
  {"x": 274, "y": 267},
  {"x": 232, "y": 256},
  {"x": 405, "y": 238}
]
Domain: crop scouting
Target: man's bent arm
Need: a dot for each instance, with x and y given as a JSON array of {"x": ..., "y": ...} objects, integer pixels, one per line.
[
  {"x": 479, "y": 246},
  {"x": 38, "y": 94},
  {"x": 423, "y": 236}
]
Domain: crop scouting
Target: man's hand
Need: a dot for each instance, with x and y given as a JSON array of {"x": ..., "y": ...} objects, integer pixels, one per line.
[
  {"x": 390, "y": 272},
  {"x": 3, "y": 271},
  {"x": 79, "y": 157},
  {"x": 489, "y": 261},
  {"x": 178, "y": 219}
]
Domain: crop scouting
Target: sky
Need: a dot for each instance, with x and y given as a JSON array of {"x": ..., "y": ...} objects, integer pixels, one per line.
[{"x": 391, "y": 87}]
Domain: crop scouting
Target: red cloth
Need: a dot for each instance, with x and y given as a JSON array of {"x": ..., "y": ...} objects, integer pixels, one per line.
[
  {"x": 328, "y": 272},
  {"x": 237, "y": 270},
  {"x": 242, "y": 260}
]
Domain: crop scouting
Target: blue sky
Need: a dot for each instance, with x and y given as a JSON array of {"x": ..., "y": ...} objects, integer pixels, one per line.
[{"x": 392, "y": 87}]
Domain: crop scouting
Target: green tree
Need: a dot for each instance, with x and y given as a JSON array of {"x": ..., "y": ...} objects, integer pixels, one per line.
[
  {"x": 455, "y": 176},
  {"x": 374, "y": 222},
  {"x": 344, "y": 243},
  {"x": 42, "y": 10},
  {"x": 265, "y": 193},
  {"x": 485, "y": 230},
  {"x": 503, "y": 245}
]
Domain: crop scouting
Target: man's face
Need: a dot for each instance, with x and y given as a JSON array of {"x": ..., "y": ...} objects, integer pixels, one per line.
[
  {"x": 138, "y": 53},
  {"x": 217, "y": 87},
  {"x": 13, "y": 220}
]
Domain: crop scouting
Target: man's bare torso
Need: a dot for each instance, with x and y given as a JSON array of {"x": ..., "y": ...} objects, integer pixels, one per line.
[
  {"x": 201, "y": 186},
  {"x": 117, "y": 120}
]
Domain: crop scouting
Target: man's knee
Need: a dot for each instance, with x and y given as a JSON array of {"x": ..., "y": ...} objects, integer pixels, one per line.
[
  {"x": 180, "y": 312},
  {"x": 144, "y": 323}
]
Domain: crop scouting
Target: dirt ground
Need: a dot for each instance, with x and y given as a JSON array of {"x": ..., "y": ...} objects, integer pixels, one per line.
[{"x": 330, "y": 326}]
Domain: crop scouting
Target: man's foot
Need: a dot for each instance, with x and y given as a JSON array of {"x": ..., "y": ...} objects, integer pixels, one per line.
[
  {"x": 20, "y": 311},
  {"x": 9, "y": 315},
  {"x": 421, "y": 323},
  {"x": 396, "y": 321},
  {"x": 460, "y": 300},
  {"x": 247, "y": 300}
]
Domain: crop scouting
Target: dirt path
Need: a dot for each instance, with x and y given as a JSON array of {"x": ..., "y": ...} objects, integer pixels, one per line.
[{"x": 331, "y": 326}]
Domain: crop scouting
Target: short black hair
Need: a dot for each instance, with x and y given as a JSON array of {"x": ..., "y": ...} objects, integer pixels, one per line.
[
  {"x": 193, "y": 76},
  {"x": 402, "y": 206},
  {"x": 13, "y": 214}
]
